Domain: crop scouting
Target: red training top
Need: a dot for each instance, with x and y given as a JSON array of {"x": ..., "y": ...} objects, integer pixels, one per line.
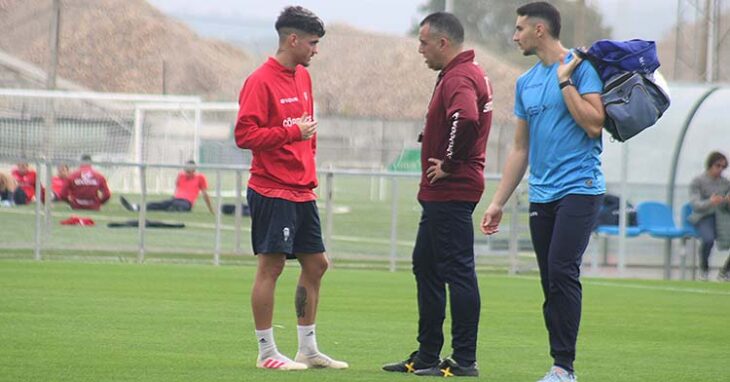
[
  {"x": 272, "y": 102},
  {"x": 26, "y": 181},
  {"x": 457, "y": 126},
  {"x": 57, "y": 184},
  {"x": 86, "y": 189},
  {"x": 188, "y": 186}
]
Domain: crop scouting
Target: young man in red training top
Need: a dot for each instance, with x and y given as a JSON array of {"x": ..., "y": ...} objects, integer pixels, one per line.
[
  {"x": 453, "y": 149},
  {"x": 187, "y": 187},
  {"x": 85, "y": 189},
  {"x": 25, "y": 184},
  {"x": 275, "y": 122}
]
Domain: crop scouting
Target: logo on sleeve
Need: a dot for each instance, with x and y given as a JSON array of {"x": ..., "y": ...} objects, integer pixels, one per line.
[
  {"x": 284, "y": 101},
  {"x": 488, "y": 107}
]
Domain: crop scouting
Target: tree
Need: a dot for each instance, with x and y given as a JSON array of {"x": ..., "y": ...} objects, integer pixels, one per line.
[{"x": 492, "y": 22}]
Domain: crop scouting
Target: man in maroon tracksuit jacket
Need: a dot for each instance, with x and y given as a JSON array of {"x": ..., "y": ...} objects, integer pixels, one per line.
[
  {"x": 452, "y": 159},
  {"x": 85, "y": 189},
  {"x": 275, "y": 122}
]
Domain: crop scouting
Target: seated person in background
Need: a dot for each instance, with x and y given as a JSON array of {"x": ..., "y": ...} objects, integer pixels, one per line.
[
  {"x": 25, "y": 179},
  {"x": 7, "y": 187},
  {"x": 187, "y": 187},
  {"x": 59, "y": 180},
  {"x": 710, "y": 198},
  {"x": 86, "y": 189}
]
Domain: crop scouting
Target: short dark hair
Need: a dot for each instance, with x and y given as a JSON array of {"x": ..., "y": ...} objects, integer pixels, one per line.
[
  {"x": 545, "y": 11},
  {"x": 447, "y": 24},
  {"x": 713, "y": 158},
  {"x": 85, "y": 158},
  {"x": 301, "y": 19},
  {"x": 190, "y": 162}
]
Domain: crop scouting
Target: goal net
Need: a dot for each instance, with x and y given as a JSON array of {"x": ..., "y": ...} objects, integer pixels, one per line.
[{"x": 110, "y": 127}]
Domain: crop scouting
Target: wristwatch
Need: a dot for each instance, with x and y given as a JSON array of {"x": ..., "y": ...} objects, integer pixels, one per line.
[{"x": 565, "y": 83}]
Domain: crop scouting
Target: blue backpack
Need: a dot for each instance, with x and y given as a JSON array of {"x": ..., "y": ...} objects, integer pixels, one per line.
[{"x": 631, "y": 98}]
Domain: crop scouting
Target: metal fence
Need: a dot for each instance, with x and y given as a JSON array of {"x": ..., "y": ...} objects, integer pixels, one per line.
[{"x": 369, "y": 219}]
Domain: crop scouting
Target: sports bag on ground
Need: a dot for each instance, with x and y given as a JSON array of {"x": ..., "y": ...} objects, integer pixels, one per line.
[{"x": 631, "y": 98}]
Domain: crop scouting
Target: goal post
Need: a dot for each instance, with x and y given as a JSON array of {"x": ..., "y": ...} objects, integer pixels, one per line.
[{"x": 113, "y": 127}]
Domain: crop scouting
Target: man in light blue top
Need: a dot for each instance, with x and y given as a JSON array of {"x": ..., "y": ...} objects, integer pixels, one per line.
[{"x": 559, "y": 123}]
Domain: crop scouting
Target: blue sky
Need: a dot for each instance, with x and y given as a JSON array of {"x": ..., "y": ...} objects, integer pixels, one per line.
[
  {"x": 647, "y": 19},
  {"x": 390, "y": 16}
]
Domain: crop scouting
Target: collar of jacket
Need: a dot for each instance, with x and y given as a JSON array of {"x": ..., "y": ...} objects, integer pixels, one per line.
[
  {"x": 278, "y": 67},
  {"x": 465, "y": 56}
]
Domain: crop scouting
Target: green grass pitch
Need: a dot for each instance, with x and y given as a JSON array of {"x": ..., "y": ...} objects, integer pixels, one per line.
[{"x": 81, "y": 321}]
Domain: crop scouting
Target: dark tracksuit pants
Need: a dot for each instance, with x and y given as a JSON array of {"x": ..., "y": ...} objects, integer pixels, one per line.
[
  {"x": 560, "y": 233},
  {"x": 19, "y": 197},
  {"x": 172, "y": 205},
  {"x": 707, "y": 231},
  {"x": 444, "y": 255}
]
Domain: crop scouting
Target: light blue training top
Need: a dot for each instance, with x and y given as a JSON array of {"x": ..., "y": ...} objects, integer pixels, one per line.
[{"x": 563, "y": 159}]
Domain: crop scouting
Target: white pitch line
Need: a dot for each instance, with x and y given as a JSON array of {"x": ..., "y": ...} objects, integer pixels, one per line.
[
  {"x": 660, "y": 288},
  {"x": 632, "y": 286}
]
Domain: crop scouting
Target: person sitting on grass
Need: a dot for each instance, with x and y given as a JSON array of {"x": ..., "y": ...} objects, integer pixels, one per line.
[
  {"x": 187, "y": 187},
  {"x": 86, "y": 188},
  {"x": 7, "y": 188},
  {"x": 25, "y": 184},
  {"x": 59, "y": 180}
]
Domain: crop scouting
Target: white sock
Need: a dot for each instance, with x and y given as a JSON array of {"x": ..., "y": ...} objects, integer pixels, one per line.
[
  {"x": 307, "y": 340},
  {"x": 267, "y": 346}
]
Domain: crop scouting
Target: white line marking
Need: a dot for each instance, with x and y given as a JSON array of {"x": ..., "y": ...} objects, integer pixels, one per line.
[
  {"x": 660, "y": 288},
  {"x": 632, "y": 286}
]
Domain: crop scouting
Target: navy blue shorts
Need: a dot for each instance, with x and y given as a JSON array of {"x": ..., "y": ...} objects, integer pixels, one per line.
[{"x": 282, "y": 226}]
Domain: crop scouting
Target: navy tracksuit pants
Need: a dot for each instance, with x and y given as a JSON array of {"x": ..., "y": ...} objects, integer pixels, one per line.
[
  {"x": 560, "y": 233},
  {"x": 444, "y": 255},
  {"x": 707, "y": 230}
]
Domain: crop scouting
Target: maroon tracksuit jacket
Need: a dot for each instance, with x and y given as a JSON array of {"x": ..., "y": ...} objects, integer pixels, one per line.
[{"x": 457, "y": 126}]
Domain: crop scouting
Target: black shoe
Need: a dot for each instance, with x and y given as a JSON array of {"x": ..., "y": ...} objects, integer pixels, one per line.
[
  {"x": 127, "y": 204},
  {"x": 450, "y": 368},
  {"x": 410, "y": 365}
]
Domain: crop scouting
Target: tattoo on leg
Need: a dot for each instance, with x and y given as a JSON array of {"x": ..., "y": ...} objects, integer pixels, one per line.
[{"x": 300, "y": 301}]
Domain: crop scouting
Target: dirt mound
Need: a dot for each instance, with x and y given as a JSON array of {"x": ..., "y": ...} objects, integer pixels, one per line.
[
  {"x": 130, "y": 46},
  {"x": 360, "y": 74},
  {"x": 123, "y": 46}
]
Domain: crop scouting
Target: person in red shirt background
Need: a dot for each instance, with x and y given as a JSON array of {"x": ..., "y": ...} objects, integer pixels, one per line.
[
  {"x": 59, "y": 180},
  {"x": 25, "y": 181},
  {"x": 85, "y": 189},
  {"x": 187, "y": 187}
]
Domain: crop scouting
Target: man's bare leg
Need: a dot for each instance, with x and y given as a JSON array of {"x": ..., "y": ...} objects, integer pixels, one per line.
[
  {"x": 268, "y": 271},
  {"x": 305, "y": 301},
  {"x": 314, "y": 266},
  {"x": 269, "y": 268}
]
